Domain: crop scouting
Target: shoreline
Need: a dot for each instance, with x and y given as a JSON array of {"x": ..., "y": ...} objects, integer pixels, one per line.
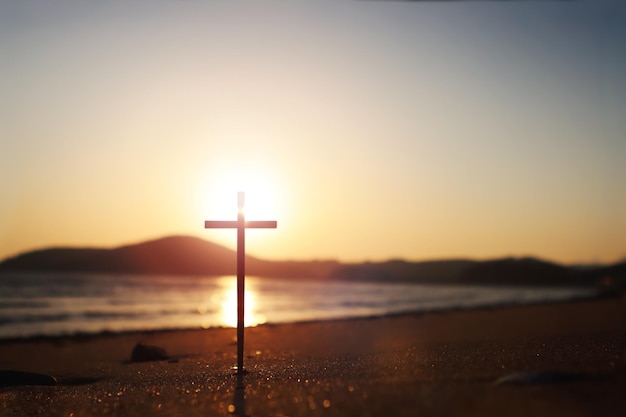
[
  {"x": 565, "y": 358},
  {"x": 415, "y": 313}
]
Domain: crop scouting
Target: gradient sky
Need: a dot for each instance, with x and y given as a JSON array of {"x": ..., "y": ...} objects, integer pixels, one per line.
[{"x": 369, "y": 130}]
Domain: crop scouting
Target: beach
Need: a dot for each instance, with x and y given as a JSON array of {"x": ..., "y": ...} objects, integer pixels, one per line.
[{"x": 553, "y": 359}]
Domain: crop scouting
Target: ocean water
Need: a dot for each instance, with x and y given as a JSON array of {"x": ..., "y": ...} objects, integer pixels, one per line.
[{"x": 62, "y": 304}]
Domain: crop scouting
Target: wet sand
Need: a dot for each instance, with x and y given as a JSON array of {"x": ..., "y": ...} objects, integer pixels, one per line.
[{"x": 561, "y": 359}]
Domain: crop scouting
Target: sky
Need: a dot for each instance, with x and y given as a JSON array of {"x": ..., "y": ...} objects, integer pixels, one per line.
[{"x": 369, "y": 130}]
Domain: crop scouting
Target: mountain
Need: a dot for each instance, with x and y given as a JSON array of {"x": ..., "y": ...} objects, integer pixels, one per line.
[
  {"x": 175, "y": 255},
  {"x": 505, "y": 271},
  {"x": 182, "y": 255},
  {"x": 531, "y": 271},
  {"x": 445, "y": 271}
]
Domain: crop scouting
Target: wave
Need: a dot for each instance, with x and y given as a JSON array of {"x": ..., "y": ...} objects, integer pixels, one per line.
[{"x": 87, "y": 303}]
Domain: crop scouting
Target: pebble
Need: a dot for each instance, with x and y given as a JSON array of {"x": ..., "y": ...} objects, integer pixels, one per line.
[
  {"x": 10, "y": 378},
  {"x": 145, "y": 353}
]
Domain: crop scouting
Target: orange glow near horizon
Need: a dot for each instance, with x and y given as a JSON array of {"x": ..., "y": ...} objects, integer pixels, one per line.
[{"x": 451, "y": 132}]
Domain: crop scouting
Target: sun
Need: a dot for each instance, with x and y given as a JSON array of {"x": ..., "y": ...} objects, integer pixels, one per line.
[{"x": 218, "y": 194}]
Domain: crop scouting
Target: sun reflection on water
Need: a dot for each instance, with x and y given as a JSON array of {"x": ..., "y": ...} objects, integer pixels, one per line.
[{"x": 228, "y": 304}]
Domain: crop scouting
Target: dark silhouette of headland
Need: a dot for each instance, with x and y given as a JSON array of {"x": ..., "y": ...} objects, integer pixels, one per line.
[
  {"x": 183, "y": 255},
  {"x": 173, "y": 255}
]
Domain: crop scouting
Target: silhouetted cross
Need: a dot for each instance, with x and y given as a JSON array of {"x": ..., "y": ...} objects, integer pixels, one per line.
[{"x": 241, "y": 225}]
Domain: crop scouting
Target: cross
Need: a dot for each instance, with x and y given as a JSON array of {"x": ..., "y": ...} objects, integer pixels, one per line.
[{"x": 241, "y": 225}]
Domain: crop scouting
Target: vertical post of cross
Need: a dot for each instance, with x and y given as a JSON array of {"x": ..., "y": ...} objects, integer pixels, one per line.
[{"x": 241, "y": 273}]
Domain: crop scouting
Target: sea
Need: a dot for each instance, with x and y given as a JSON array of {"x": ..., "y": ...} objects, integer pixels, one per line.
[{"x": 55, "y": 304}]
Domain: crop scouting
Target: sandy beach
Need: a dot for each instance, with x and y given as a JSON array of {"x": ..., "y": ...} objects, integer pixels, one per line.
[{"x": 561, "y": 359}]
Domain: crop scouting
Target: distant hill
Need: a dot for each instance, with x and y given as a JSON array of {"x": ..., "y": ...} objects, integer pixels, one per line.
[
  {"x": 174, "y": 255},
  {"x": 506, "y": 271},
  {"x": 182, "y": 255},
  {"x": 445, "y": 271}
]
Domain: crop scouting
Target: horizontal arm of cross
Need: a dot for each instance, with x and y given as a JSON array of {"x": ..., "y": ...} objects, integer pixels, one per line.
[{"x": 233, "y": 224}]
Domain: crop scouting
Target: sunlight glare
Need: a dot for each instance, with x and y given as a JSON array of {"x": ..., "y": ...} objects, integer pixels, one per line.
[{"x": 218, "y": 193}]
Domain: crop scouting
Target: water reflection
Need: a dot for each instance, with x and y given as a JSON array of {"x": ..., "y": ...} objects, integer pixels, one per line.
[{"x": 227, "y": 288}]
